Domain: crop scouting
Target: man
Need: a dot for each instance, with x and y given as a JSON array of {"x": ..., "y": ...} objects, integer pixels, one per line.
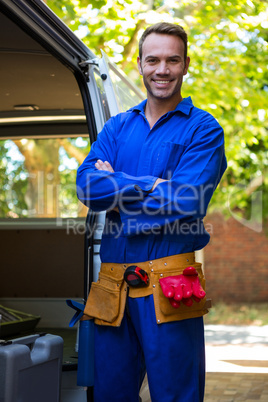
[{"x": 154, "y": 169}]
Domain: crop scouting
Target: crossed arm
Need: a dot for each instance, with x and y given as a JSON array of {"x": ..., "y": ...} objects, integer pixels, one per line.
[
  {"x": 148, "y": 198},
  {"x": 106, "y": 166}
]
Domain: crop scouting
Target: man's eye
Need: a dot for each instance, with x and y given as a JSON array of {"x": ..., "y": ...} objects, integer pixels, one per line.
[
  {"x": 174, "y": 61},
  {"x": 151, "y": 61}
]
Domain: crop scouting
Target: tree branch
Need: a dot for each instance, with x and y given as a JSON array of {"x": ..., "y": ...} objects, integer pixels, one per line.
[
  {"x": 71, "y": 150},
  {"x": 131, "y": 46}
]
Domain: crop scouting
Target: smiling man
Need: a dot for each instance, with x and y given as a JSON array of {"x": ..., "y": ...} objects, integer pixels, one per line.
[
  {"x": 162, "y": 63},
  {"x": 153, "y": 169}
]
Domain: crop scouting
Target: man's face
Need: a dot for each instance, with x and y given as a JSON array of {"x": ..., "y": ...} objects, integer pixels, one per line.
[{"x": 163, "y": 66}]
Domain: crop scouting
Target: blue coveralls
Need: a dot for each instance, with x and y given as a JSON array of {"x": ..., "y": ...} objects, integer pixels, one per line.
[{"x": 185, "y": 147}]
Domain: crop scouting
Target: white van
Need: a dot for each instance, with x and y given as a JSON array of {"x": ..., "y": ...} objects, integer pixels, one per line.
[{"x": 56, "y": 95}]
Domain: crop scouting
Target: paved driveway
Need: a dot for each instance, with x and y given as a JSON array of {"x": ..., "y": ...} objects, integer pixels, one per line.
[{"x": 237, "y": 364}]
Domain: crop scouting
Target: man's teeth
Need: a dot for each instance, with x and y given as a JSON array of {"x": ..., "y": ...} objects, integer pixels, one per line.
[{"x": 162, "y": 82}]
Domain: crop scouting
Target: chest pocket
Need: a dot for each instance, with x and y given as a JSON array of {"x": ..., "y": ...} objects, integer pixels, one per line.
[{"x": 167, "y": 159}]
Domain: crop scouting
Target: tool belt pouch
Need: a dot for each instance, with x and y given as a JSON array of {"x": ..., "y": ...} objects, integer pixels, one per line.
[
  {"x": 107, "y": 298},
  {"x": 163, "y": 309}
]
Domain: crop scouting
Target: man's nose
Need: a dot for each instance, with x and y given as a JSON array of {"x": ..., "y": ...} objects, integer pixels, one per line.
[{"x": 162, "y": 68}]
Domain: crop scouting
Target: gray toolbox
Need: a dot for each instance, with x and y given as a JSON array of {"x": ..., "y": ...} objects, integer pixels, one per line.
[{"x": 30, "y": 369}]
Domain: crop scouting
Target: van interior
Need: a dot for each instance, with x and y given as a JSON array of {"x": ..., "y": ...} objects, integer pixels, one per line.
[{"x": 44, "y": 136}]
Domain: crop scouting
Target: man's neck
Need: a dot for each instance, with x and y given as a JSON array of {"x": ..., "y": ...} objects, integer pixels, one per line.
[{"x": 156, "y": 108}]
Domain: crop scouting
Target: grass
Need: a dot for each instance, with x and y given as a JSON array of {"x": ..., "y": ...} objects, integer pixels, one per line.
[{"x": 238, "y": 314}]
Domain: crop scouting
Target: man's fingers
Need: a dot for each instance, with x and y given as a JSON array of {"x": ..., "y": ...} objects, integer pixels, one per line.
[
  {"x": 158, "y": 181},
  {"x": 100, "y": 165},
  {"x": 108, "y": 167}
]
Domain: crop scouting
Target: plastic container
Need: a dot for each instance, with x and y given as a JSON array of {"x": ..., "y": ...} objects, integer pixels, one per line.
[{"x": 30, "y": 369}]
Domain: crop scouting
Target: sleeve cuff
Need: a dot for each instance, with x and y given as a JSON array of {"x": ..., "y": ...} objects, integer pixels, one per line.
[{"x": 145, "y": 184}]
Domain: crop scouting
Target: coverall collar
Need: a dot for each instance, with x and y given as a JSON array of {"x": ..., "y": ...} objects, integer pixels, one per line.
[{"x": 184, "y": 106}]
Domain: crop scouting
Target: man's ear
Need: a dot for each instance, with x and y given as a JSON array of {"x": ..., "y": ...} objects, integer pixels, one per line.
[
  {"x": 187, "y": 62},
  {"x": 139, "y": 65}
]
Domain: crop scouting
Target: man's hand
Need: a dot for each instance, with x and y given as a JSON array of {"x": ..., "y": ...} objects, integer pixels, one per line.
[
  {"x": 100, "y": 165},
  {"x": 104, "y": 166},
  {"x": 184, "y": 288},
  {"x": 156, "y": 183}
]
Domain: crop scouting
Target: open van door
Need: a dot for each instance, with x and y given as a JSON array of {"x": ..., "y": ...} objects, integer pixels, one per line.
[
  {"x": 54, "y": 88},
  {"x": 115, "y": 92}
]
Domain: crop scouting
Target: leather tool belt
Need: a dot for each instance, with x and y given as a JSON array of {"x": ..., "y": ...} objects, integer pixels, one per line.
[{"x": 107, "y": 297}]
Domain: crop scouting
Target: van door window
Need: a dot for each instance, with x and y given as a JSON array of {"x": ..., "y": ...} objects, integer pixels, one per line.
[
  {"x": 123, "y": 94},
  {"x": 37, "y": 177}
]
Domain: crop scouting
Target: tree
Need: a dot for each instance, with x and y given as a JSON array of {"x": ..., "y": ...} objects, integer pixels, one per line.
[
  {"x": 228, "y": 74},
  {"x": 12, "y": 183},
  {"x": 37, "y": 179}
]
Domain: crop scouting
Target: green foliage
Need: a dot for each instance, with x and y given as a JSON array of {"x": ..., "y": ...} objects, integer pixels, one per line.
[
  {"x": 228, "y": 77},
  {"x": 13, "y": 183},
  {"x": 237, "y": 314},
  {"x": 40, "y": 172},
  {"x": 228, "y": 74}
]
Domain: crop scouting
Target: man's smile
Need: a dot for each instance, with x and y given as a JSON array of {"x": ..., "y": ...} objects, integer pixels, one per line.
[{"x": 162, "y": 82}]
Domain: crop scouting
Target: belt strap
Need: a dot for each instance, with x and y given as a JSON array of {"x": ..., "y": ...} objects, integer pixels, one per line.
[
  {"x": 151, "y": 266},
  {"x": 110, "y": 292}
]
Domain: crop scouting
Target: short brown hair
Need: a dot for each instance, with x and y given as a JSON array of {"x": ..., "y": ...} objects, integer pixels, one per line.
[{"x": 164, "y": 28}]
